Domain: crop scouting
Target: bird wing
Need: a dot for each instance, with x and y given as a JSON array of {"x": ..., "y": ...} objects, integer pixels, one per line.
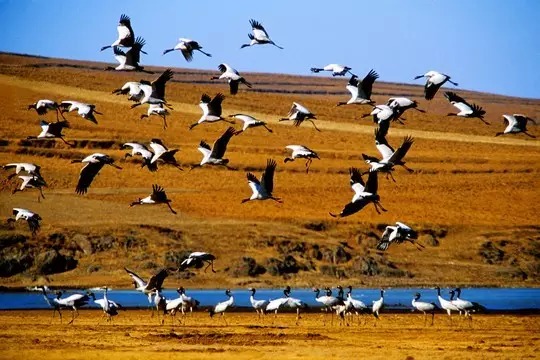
[
  {"x": 430, "y": 89},
  {"x": 205, "y": 98},
  {"x": 258, "y": 30},
  {"x": 158, "y": 194},
  {"x": 204, "y": 148},
  {"x": 372, "y": 183},
  {"x": 214, "y": 106},
  {"x": 452, "y": 96},
  {"x": 233, "y": 86},
  {"x": 33, "y": 223},
  {"x": 119, "y": 55},
  {"x": 353, "y": 207},
  {"x": 403, "y": 226},
  {"x": 253, "y": 183},
  {"x": 301, "y": 108},
  {"x": 356, "y": 181},
  {"x": 124, "y": 29},
  {"x": 478, "y": 111},
  {"x": 400, "y": 153},
  {"x": 158, "y": 85},
  {"x": 156, "y": 281},
  {"x": 382, "y": 145},
  {"x": 267, "y": 178},
  {"x": 133, "y": 56},
  {"x": 136, "y": 278},
  {"x": 367, "y": 84},
  {"x": 353, "y": 81},
  {"x": 87, "y": 175},
  {"x": 220, "y": 145}
]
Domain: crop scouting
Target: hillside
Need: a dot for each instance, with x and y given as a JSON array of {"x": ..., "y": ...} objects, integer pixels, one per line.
[{"x": 473, "y": 196}]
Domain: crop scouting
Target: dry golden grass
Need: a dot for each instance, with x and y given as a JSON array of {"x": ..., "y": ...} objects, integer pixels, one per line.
[
  {"x": 135, "y": 335},
  {"x": 466, "y": 180}
]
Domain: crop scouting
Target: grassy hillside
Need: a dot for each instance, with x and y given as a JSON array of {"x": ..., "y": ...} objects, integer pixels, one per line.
[{"x": 473, "y": 197}]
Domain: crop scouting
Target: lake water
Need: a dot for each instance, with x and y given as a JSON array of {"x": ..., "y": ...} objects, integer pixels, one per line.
[{"x": 505, "y": 299}]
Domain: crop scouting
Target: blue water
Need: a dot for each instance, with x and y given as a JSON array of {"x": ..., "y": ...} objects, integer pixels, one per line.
[{"x": 491, "y": 298}]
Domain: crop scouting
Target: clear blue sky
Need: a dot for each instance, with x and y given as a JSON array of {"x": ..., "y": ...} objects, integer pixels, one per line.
[{"x": 485, "y": 45}]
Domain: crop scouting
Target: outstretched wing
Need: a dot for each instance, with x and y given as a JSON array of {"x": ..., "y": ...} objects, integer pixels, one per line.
[
  {"x": 267, "y": 178},
  {"x": 372, "y": 182},
  {"x": 87, "y": 175},
  {"x": 220, "y": 145},
  {"x": 452, "y": 96},
  {"x": 400, "y": 153},
  {"x": 156, "y": 281},
  {"x": 158, "y": 85},
  {"x": 215, "y": 104},
  {"x": 158, "y": 194},
  {"x": 367, "y": 84},
  {"x": 357, "y": 183},
  {"x": 33, "y": 223},
  {"x": 352, "y": 208},
  {"x": 136, "y": 278}
]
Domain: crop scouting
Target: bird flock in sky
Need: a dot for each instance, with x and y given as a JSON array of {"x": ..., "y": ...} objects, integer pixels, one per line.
[{"x": 156, "y": 154}]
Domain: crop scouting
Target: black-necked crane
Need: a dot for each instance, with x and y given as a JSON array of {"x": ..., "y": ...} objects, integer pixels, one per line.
[
  {"x": 298, "y": 114},
  {"x": 110, "y": 308},
  {"x": 446, "y": 304},
  {"x": 259, "y": 36},
  {"x": 129, "y": 61},
  {"x": 465, "y": 109},
  {"x": 31, "y": 218},
  {"x": 132, "y": 89},
  {"x": 354, "y": 305},
  {"x": 211, "y": 108},
  {"x": 214, "y": 155},
  {"x": 29, "y": 168},
  {"x": 328, "y": 302},
  {"x": 301, "y": 152},
  {"x": 233, "y": 77},
  {"x": 390, "y": 157},
  {"x": 221, "y": 307},
  {"x": 249, "y": 122},
  {"x": 364, "y": 193},
  {"x": 516, "y": 124},
  {"x": 402, "y": 104},
  {"x": 160, "y": 303},
  {"x": 294, "y": 303},
  {"x": 163, "y": 154},
  {"x": 360, "y": 89},
  {"x": 171, "y": 307},
  {"x": 44, "y": 105},
  {"x": 336, "y": 69},
  {"x": 378, "y": 305},
  {"x": 86, "y": 111},
  {"x": 141, "y": 150},
  {"x": 187, "y": 47},
  {"x": 126, "y": 36},
  {"x": 434, "y": 80},
  {"x": 188, "y": 302},
  {"x": 158, "y": 196},
  {"x": 159, "y": 110},
  {"x": 93, "y": 164},
  {"x": 155, "y": 282},
  {"x": 382, "y": 116},
  {"x": 398, "y": 234},
  {"x": 424, "y": 307},
  {"x": 51, "y": 302},
  {"x": 258, "y": 305},
  {"x": 465, "y": 305},
  {"x": 262, "y": 190},
  {"x": 154, "y": 92},
  {"x": 277, "y": 304},
  {"x": 31, "y": 182},
  {"x": 73, "y": 302},
  {"x": 52, "y": 131},
  {"x": 197, "y": 259}
]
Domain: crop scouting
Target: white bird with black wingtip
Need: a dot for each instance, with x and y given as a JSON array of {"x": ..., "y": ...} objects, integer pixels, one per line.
[
  {"x": 398, "y": 234},
  {"x": 129, "y": 61},
  {"x": 214, "y": 155},
  {"x": 158, "y": 196},
  {"x": 336, "y": 69},
  {"x": 163, "y": 154},
  {"x": 52, "y": 131},
  {"x": 249, "y": 122},
  {"x": 93, "y": 164},
  {"x": 263, "y": 189},
  {"x": 31, "y": 218},
  {"x": 516, "y": 124},
  {"x": 434, "y": 80},
  {"x": 232, "y": 76},
  {"x": 44, "y": 105},
  {"x": 31, "y": 182},
  {"x": 141, "y": 150},
  {"x": 301, "y": 152},
  {"x": 126, "y": 35},
  {"x": 360, "y": 89},
  {"x": 186, "y": 47},
  {"x": 298, "y": 114},
  {"x": 211, "y": 108},
  {"x": 465, "y": 109},
  {"x": 86, "y": 111},
  {"x": 259, "y": 35}
]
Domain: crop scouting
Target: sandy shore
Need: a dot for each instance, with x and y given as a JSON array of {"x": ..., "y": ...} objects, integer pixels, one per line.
[{"x": 134, "y": 334}]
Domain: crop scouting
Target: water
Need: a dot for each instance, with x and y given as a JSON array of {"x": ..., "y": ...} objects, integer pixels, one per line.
[{"x": 505, "y": 299}]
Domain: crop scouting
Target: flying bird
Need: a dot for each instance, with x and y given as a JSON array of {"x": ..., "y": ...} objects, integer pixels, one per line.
[
  {"x": 126, "y": 36},
  {"x": 259, "y": 35},
  {"x": 159, "y": 110},
  {"x": 187, "y": 46},
  {"x": 262, "y": 190},
  {"x": 132, "y": 89},
  {"x": 249, "y": 122},
  {"x": 298, "y": 114},
  {"x": 43, "y": 106},
  {"x": 211, "y": 109},
  {"x": 382, "y": 116},
  {"x": 86, "y": 111},
  {"x": 29, "y": 168},
  {"x": 52, "y": 131},
  {"x": 515, "y": 124},
  {"x": 197, "y": 259},
  {"x": 31, "y": 182},
  {"x": 93, "y": 164},
  {"x": 336, "y": 69},
  {"x": 158, "y": 196},
  {"x": 434, "y": 80},
  {"x": 398, "y": 234},
  {"x": 360, "y": 90},
  {"x": 214, "y": 155},
  {"x": 154, "y": 92},
  {"x": 31, "y": 218},
  {"x": 141, "y": 150},
  {"x": 465, "y": 109},
  {"x": 155, "y": 282},
  {"x": 364, "y": 193},
  {"x": 163, "y": 154},
  {"x": 390, "y": 157},
  {"x": 301, "y": 152},
  {"x": 232, "y": 76},
  {"x": 129, "y": 61},
  {"x": 402, "y": 104}
]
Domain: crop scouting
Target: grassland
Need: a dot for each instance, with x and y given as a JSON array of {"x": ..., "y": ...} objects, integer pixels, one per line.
[
  {"x": 469, "y": 188},
  {"x": 135, "y": 335}
]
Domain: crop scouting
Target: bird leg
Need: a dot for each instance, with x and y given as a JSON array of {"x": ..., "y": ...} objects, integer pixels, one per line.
[
  {"x": 529, "y": 135},
  {"x": 66, "y": 142},
  {"x": 193, "y": 125},
  {"x": 380, "y": 206},
  {"x": 41, "y": 193},
  {"x": 210, "y": 263},
  {"x": 277, "y": 199},
  {"x": 170, "y": 208},
  {"x": 164, "y": 122},
  {"x": 453, "y": 83},
  {"x": 407, "y": 168},
  {"x": 266, "y": 127},
  {"x": 308, "y": 162},
  {"x": 316, "y": 128}
]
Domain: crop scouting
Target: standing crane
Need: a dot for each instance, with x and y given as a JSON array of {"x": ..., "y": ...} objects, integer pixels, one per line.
[
  {"x": 424, "y": 307},
  {"x": 221, "y": 307},
  {"x": 73, "y": 302},
  {"x": 258, "y": 305},
  {"x": 110, "y": 308}
]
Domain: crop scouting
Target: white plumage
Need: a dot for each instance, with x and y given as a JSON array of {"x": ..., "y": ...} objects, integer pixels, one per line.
[
  {"x": 515, "y": 124},
  {"x": 434, "y": 80},
  {"x": 86, "y": 111},
  {"x": 186, "y": 47},
  {"x": 336, "y": 69},
  {"x": 232, "y": 76},
  {"x": 259, "y": 35},
  {"x": 249, "y": 122},
  {"x": 302, "y": 152},
  {"x": 398, "y": 234}
]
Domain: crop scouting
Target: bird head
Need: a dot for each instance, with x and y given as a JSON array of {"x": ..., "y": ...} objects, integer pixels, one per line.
[{"x": 417, "y": 296}]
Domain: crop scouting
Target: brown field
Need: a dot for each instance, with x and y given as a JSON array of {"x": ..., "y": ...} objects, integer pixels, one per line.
[
  {"x": 468, "y": 189},
  {"x": 135, "y": 335}
]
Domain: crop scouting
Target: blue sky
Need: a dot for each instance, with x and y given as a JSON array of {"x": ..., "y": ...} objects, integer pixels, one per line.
[{"x": 484, "y": 45}]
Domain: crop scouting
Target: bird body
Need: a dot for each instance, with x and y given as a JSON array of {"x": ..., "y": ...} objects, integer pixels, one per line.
[
  {"x": 262, "y": 190},
  {"x": 126, "y": 36},
  {"x": 211, "y": 108},
  {"x": 214, "y": 155},
  {"x": 154, "y": 92},
  {"x": 301, "y": 152},
  {"x": 360, "y": 89},
  {"x": 424, "y": 307},
  {"x": 232, "y": 76},
  {"x": 378, "y": 305},
  {"x": 465, "y": 305},
  {"x": 93, "y": 164},
  {"x": 31, "y": 182},
  {"x": 445, "y": 304},
  {"x": 141, "y": 150},
  {"x": 29, "y": 168},
  {"x": 465, "y": 109},
  {"x": 186, "y": 47},
  {"x": 196, "y": 259},
  {"x": 86, "y": 111},
  {"x": 382, "y": 116},
  {"x": 259, "y": 36},
  {"x": 221, "y": 307},
  {"x": 434, "y": 80},
  {"x": 259, "y": 305},
  {"x": 129, "y": 61},
  {"x": 249, "y": 122},
  {"x": 397, "y": 234},
  {"x": 155, "y": 282},
  {"x": 158, "y": 196},
  {"x": 110, "y": 308},
  {"x": 44, "y": 105},
  {"x": 74, "y": 302},
  {"x": 131, "y": 88},
  {"x": 336, "y": 69},
  {"x": 163, "y": 154},
  {"x": 516, "y": 123},
  {"x": 52, "y": 131},
  {"x": 298, "y": 114},
  {"x": 353, "y": 304},
  {"x": 401, "y": 104},
  {"x": 31, "y": 218},
  {"x": 159, "y": 110}
]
